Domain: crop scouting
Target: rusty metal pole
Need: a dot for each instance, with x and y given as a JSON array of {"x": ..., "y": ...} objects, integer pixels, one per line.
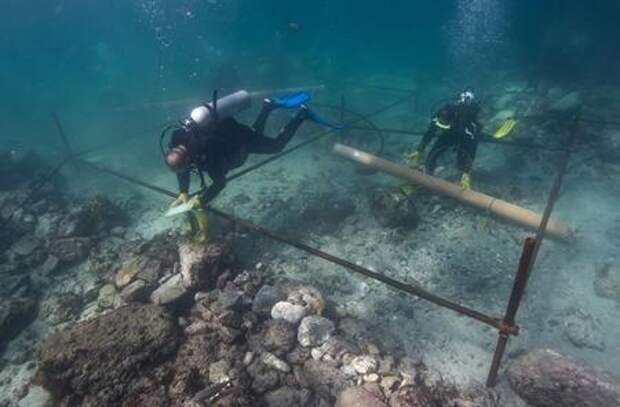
[
  {"x": 528, "y": 258},
  {"x": 516, "y": 295}
]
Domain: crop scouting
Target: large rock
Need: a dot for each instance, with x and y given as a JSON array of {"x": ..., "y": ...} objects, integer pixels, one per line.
[
  {"x": 98, "y": 362},
  {"x": 201, "y": 265},
  {"x": 266, "y": 297},
  {"x": 367, "y": 396},
  {"x": 393, "y": 209},
  {"x": 545, "y": 378},
  {"x": 314, "y": 331},
  {"x": 607, "y": 281},
  {"x": 291, "y": 313},
  {"x": 287, "y": 396},
  {"x": 308, "y": 297},
  {"x": 279, "y": 336},
  {"x": 569, "y": 103},
  {"x": 170, "y": 291},
  {"x": 15, "y": 314},
  {"x": 71, "y": 250}
]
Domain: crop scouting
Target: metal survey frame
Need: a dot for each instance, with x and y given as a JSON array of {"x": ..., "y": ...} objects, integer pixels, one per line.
[{"x": 506, "y": 326}]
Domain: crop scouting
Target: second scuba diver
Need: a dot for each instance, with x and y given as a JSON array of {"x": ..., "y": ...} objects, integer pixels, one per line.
[
  {"x": 456, "y": 126},
  {"x": 212, "y": 141}
]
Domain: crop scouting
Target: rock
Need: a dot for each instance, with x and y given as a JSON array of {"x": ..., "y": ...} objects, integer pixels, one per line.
[
  {"x": 289, "y": 312},
  {"x": 367, "y": 396},
  {"x": 271, "y": 360},
  {"x": 49, "y": 266},
  {"x": 607, "y": 281},
  {"x": 393, "y": 209},
  {"x": 218, "y": 371},
  {"x": 107, "y": 297},
  {"x": 127, "y": 273},
  {"x": 16, "y": 313},
  {"x": 71, "y": 250},
  {"x": 279, "y": 336},
  {"x": 412, "y": 396},
  {"x": 287, "y": 396},
  {"x": 118, "y": 231},
  {"x": 314, "y": 331},
  {"x": 229, "y": 300},
  {"x": 263, "y": 377},
  {"x": 26, "y": 246},
  {"x": 545, "y": 378},
  {"x": 137, "y": 291},
  {"x": 503, "y": 115},
  {"x": 567, "y": 104},
  {"x": 581, "y": 330},
  {"x": 389, "y": 384},
  {"x": 266, "y": 297},
  {"x": 37, "y": 397},
  {"x": 170, "y": 291},
  {"x": 308, "y": 297},
  {"x": 364, "y": 364},
  {"x": 99, "y": 362},
  {"x": 319, "y": 373},
  {"x": 201, "y": 264},
  {"x": 334, "y": 349},
  {"x": 371, "y": 378}
]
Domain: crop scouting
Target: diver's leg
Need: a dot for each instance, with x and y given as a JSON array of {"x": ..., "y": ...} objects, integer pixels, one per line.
[
  {"x": 261, "y": 119},
  {"x": 260, "y": 144},
  {"x": 466, "y": 155},
  {"x": 440, "y": 147}
]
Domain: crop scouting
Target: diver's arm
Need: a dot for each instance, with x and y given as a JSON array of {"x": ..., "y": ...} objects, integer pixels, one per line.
[
  {"x": 431, "y": 132},
  {"x": 184, "y": 180},
  {"x": 218, "y": 184}
]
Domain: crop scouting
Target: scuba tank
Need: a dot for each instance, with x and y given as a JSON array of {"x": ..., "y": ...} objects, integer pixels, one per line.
[{"x": 219, "y": 108}]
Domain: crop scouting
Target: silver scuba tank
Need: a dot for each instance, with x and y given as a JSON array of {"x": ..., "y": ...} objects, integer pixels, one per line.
[{"x": 226, "y": 106}]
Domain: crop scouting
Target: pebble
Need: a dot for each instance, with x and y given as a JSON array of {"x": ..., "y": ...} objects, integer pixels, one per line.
[
  {"x": 314, "y": 331},
  {"x": 371, "y": 378},
  {"x": 248, "y": 358},
  {"x": 275, "y": 362},
  {"x": 289, "y": 312},
  {"x": 364, "y": 364}
]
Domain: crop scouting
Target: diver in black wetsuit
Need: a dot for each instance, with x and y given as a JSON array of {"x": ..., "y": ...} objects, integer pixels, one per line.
[
  {"x": 218, "y": 149},
  {"x": 456, "y": 126},
  {"x": 224, "y": 147}
]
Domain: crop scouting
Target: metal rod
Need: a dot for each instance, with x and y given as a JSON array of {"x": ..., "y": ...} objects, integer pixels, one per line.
[
  {"x": 408, "y": 288},
  {"x": 516, "y": 295},
  {"x": 528, "y": 258}
]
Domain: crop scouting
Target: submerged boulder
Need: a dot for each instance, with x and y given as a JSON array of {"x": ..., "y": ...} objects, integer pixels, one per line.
[
  {"x": 97, "y": 362},
  {"x": 393, "y": 209},
  {"x": 15, "y": 314},
  {"x": 545, "y": 378},
  {"x": 569, "y": 103},
  {"x": 71, "y": 250}
]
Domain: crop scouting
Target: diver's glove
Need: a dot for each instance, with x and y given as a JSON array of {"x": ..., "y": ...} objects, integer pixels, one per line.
[
  {"x": 183, "y": 198},
  {"x": 466, "y": 180},
  {"x": 413, "y": 158}
]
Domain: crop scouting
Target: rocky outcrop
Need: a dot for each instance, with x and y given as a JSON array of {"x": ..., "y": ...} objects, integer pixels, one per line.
[
  {"x": 545, "y": 378},
  {"x": 16, "y": 312},
  {"x": 393, "y": 209},
  {"x": 102, "y": 361}
]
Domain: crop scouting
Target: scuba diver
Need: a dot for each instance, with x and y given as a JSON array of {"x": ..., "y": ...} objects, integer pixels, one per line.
[
  {"x": 212, "y": 141},
  {"x": 456, "y": 126}
]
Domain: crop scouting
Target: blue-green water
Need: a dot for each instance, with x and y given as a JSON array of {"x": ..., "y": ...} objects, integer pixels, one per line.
[{"x": 116, "y": 71}]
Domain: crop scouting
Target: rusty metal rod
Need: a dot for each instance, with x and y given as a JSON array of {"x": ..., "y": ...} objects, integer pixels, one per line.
[
  {"x": 528, "y": 258},
  {"x": 408, "y": 288},
  {"x": 516, "y": 295}
]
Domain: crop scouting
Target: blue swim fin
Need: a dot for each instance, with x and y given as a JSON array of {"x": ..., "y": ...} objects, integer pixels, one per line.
[
  {"x": 290, "y": 101},
  {"x": 318, "y": 119}
]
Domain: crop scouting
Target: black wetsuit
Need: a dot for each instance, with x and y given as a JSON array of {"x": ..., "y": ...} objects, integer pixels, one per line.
[
  {"x": 226, "y": 146},
  {"x": 464, "y": 134}
]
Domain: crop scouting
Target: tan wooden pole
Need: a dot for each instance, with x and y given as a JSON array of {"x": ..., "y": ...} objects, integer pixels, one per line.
[{"x": 501, "y": 208}]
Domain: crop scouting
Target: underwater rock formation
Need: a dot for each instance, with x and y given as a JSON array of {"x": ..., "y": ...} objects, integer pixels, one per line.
[
  {"x": 393, "y": 209},
  {"x": 99, "y": 362},
  {"x": 545, "y": 378}
]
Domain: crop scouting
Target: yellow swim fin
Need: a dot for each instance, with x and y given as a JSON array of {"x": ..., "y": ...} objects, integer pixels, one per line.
[
  {"x": 505, "y": 129},
  {"x": 199, "y": 226}
]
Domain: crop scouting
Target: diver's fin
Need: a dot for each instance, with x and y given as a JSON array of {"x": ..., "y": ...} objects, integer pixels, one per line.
[
  {"x": 318, "y": 119},
  {"x": 290, "y": 101},
  {"x": 505, "y": 129}
]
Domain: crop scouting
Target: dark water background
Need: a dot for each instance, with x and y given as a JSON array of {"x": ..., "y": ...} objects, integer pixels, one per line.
[{"x": 87, "y": 58}]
